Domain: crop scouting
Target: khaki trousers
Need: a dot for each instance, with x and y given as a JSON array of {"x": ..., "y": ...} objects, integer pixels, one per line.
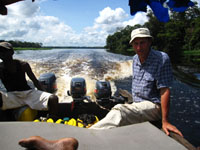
[{"x": 126, "y": 114}]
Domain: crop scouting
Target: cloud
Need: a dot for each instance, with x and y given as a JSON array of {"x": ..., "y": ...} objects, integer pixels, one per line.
[
  {"x": 24, "y": 9},
  {"x": 25, "y": 22},
  {"x": 109, "y": 21},
  {"x": 198, "y": 2},
  {"x": 109, "y": 16},
  {"x": 139, "y": 18}
]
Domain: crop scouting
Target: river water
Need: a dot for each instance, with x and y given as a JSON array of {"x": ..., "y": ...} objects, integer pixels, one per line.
[{"x": 97, "y": 64}]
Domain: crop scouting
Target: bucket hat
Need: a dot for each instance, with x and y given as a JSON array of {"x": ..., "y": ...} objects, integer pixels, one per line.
[{"x": 140, "y": 32}]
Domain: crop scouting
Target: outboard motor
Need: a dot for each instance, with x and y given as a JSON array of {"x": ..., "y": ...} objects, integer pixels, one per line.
[
  {"x": 48, "y": 80},
  {"x": 103, "y": 91},
  {"x": 77, "y": 89}
]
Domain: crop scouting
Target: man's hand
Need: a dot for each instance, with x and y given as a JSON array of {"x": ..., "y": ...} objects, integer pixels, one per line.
[
  {"x": 165, "y": 98},
  {"x": 169, "y": 127}
]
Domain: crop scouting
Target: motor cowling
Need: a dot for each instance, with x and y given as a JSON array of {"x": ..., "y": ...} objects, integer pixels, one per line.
[
  {"x": 48, "y": 81},
  {"x": 78, "y": 88},
  {"x": 103, "y": 90}
]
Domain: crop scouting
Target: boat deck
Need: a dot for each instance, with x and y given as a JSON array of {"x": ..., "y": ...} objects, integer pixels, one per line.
[{"x": 143, "y": 136}]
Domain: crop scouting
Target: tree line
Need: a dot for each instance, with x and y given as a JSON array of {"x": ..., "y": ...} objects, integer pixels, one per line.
[
  {"x": 180, "y": 37},
  {"x": 20, "y": 44}
]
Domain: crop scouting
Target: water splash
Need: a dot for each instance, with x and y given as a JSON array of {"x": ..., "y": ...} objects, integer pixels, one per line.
[{"x": 92, "y": 65}]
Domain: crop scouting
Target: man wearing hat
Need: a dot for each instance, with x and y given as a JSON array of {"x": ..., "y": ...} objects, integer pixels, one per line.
[
  {"x": 12, "y": 75},
  {"x": 152, "y": 77}
]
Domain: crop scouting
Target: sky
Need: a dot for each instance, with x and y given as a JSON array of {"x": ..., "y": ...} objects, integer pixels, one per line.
[{"x": 67, "y": 22}]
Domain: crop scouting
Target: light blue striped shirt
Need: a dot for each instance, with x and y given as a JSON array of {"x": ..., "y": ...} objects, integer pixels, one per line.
[{"x": 149, "y": 77}]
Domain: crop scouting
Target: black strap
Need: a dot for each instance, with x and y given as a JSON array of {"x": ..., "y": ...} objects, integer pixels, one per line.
[{"x": 1, "y": 101}]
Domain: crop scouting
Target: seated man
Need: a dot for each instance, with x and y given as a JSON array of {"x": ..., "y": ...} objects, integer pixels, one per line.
[
  {"x": 12, "y": 75},
  {"x": 152, "y": 76}
]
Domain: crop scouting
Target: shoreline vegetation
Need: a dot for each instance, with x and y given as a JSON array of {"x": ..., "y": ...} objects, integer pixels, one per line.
[
  {"x": 56, "y": 47},
  {"x": 30, "y": 48}
]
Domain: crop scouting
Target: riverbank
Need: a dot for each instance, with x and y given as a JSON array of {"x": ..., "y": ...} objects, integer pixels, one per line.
[
  {"x": 56, "y": 47},
  {"x": 31, "y": 48}
]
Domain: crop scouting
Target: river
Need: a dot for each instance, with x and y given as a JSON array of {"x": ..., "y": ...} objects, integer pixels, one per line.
[{"x": 97, "y": 64}]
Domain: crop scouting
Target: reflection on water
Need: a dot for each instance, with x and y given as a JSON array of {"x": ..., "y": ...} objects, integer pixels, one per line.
[
  {"x": 185, "y": 110},
  {"x": 97, "y": 64}
]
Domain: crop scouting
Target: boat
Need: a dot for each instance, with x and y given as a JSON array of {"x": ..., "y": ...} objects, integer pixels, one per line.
[{"x": 147, "y": 135}]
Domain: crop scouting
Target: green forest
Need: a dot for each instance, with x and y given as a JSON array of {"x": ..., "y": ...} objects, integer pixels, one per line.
[
  {"x": 180, "y": 37},
  {"x": 20, "y": 44}
]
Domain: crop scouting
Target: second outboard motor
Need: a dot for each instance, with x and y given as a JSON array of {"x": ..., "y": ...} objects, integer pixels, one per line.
[
  {"x": 103, "y": 90},
  {"x": 78, "y": 88},
  {"x": 48, "y": 80}
]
